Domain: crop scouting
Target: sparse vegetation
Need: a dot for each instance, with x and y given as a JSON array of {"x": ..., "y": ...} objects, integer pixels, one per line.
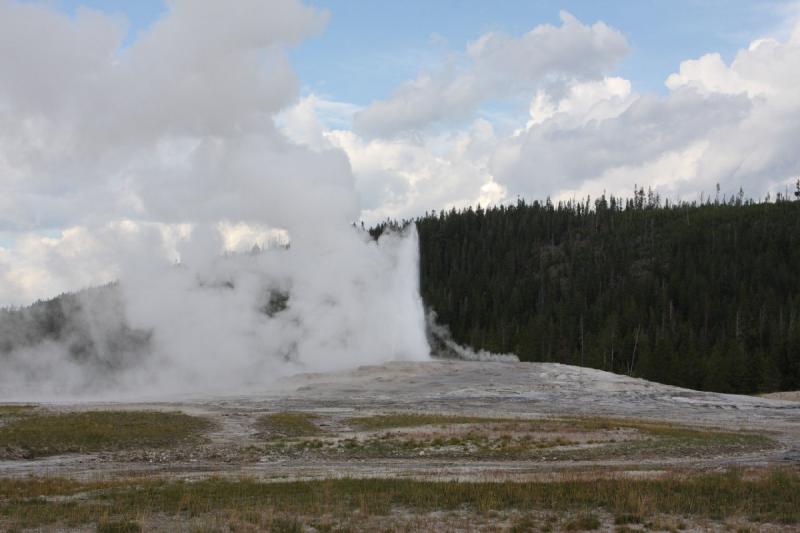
[
  {"x": 583, "y": 522},
  {"x": 772, "y": 497},
  {"x": 401, "y": 420},
  {"x": 7, "y": 410},
  {"x": 277, "y": 425},
  {"x": 666, "y": 440},
  {"x": 43, "y": 434},
  {"x": 435, "y": 435},
  {"x": 627, "y": 518},
  {"x": 119, "y": 527}
]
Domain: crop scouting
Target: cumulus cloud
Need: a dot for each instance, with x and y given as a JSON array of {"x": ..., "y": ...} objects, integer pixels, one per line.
[
  {"x": 582, "y": 103},
  {"x": 563, "y": 152},
  {"x": 89, "y": 128},
  {"x": 495, "y": 66},
  {"x": 588, "y": 131},
  {"x": 404, "y": 176},
  {"x": 729, "y": 124}
]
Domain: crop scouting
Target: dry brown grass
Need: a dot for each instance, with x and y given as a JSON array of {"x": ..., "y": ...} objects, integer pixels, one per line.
[{"x": 772, "y": 497}]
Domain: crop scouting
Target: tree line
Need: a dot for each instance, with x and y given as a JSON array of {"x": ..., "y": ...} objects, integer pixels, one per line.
[{"x": 704, "y": 295}]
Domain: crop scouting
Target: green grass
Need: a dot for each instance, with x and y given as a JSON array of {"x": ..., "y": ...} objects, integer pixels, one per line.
[
  {"x": 45, "y": 434},
  {"x": 773, "y": 497},
  {"x": 288, "y": 425},
  {"x": 402, "y": 420}
]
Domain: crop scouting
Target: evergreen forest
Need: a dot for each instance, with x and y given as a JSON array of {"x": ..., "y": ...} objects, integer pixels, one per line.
[{"x": 700, "y": 295}]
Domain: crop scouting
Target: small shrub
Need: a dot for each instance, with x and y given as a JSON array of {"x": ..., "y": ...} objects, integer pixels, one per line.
[
  {"x": 277, "y": 425},
  {"x": 286, "y": 525},
  {"x": 584, "y": 522},
  {"x": 119, "y": 527},
  {"x": 524, "y": 524},
  {"x": 627, "y": 518}
]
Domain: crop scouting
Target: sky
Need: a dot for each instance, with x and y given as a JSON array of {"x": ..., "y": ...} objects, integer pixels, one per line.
[
  {"x": 110, "y": 112},
  {"x": 368, "y": 48}
]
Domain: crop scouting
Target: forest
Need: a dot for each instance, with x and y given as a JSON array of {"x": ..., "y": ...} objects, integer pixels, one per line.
[{"x": 704, "y": 295}]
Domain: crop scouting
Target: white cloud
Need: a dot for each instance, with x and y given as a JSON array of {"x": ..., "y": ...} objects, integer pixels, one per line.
[
  {"x": 731, "y": 124},
  {"x": 404, "y": 177},
  {"x": 496, "y": 65},
  {"x": 559, "y": 154},
  {"x": 82, "y": 118},
  {"x": 583, "y": 102},
  {"x": 735, "y": 125},
  {"x": 710, "y": 74}
]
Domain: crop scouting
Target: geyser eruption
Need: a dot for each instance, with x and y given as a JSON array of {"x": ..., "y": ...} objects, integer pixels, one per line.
[
  {"x": 225, "y": 323},
  {"x": 155, "y": 147}
]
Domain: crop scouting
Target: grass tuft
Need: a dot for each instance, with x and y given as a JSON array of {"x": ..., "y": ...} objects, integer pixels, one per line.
[
  {"x": 119, "y": 527},
  {"x": 627, "y": 518},
  {"x": 277, "y": 425},
  {"x": 401, "y": 420},
  {"x": 583, "y": 522}
]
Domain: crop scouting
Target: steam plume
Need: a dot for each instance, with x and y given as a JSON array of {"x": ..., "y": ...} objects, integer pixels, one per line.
[{"x": 148, "y": 150}]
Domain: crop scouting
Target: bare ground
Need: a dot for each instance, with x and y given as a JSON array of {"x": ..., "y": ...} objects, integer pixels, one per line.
[{"x": 790, "y": 396}]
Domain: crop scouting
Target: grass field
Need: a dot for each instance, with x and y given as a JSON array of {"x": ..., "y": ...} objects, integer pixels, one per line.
[
  {"x": 37, "y": 433},
  {"x": 771, "y": 497}
]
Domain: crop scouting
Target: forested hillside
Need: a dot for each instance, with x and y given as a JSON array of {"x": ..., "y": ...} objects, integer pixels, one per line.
[
  {"x": 702, "y": 296},
  {"x": 87, "y": 325}
]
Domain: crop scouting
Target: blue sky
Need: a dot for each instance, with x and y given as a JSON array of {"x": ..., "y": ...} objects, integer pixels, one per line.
[
  {"x": 369, "y": 47},
  {"x": 399, "y": 37}
]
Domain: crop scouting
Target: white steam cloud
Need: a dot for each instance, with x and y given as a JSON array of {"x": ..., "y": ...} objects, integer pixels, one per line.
[{"x": 147, "y": 152}]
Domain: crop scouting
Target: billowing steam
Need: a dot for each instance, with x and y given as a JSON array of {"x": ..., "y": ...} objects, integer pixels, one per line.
[
  {"x": 443, "y": 345},
  {"x": 223, "y": 323},
  {"x": 147, "y": 150}
]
